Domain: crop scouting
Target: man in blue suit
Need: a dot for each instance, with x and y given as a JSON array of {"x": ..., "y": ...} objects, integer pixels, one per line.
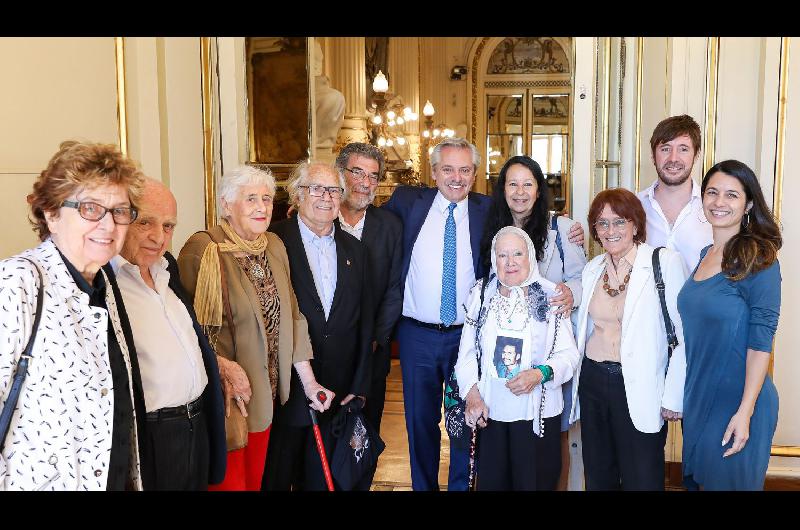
[{"x": 442, "y": 230}]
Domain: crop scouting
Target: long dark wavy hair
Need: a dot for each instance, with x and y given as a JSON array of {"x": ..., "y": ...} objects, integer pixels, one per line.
[
  {"x": 756, "y": 245},
  {"x": 536, "y": 225}
]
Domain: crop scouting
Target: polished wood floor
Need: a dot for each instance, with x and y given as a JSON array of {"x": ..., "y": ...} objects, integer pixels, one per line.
[{"x": 394, "y": 473}]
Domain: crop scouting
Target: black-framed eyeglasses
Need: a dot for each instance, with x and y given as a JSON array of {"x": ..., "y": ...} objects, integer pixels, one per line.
[
  {"x": 603, "y": 225},
  {"x": 317, "y": 190},
  {"x": 91, "y": 211},
  {"x": 359, "y": 174}
]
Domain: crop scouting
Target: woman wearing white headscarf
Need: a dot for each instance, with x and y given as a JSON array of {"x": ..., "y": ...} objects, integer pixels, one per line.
[{"x": 514, "y": 356}]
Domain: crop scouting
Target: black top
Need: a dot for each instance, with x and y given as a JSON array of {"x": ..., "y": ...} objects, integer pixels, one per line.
[{"x": 119, "y": 463}]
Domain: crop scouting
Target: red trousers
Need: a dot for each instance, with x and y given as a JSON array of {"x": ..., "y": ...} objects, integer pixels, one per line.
[{"x": 245, "y": 466}]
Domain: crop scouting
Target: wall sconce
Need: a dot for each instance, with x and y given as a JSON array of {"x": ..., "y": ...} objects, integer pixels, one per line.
[
  {"x": 457, "y": 73},
  {"x": 432, "y": 135}
]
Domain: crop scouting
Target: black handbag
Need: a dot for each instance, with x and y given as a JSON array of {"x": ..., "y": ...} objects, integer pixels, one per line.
[
  {"x": 672, "y": 338},
  {"x": 21, "y": 371},
  {"x": 357, "y": 445}
]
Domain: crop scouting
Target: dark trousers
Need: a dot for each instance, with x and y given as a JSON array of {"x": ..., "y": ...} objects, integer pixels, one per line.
[
  {"x": 283, "y": 469},
  {"x": 376, "y": 399},
  {"x": 175, "y": 453},
  {"x": 427, "y": 357},
  {"x": 615, "y": 454},
  {"x": 511, "y": 457}
]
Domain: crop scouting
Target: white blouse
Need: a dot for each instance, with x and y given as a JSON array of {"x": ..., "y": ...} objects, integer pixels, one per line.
[{"x": 519, "y": 332}]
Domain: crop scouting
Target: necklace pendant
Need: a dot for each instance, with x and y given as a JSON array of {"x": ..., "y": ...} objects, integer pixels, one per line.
[{"x": 257, "y": 271}]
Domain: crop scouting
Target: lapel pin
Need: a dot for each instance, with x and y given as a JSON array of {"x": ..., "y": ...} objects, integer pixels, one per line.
[{"x": 348, "y": 262}]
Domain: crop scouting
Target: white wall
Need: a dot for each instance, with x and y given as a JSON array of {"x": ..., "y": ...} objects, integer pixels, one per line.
[
  {"x": 52, "y": 89},
  {"x": 165, "y": 126}
]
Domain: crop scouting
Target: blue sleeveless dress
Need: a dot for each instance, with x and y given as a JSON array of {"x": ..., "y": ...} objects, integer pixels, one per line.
[{"x": 721, "y": 320}]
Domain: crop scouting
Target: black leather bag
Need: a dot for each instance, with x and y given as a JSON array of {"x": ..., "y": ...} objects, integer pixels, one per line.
[
  {"x": 357, "y": 446},
  {"x": 22, "y": 366}
]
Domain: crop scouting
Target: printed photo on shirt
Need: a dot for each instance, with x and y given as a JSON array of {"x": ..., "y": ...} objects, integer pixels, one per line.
[{"x": 507, "y": 356}]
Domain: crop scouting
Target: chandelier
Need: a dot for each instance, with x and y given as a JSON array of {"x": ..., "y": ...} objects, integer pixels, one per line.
[{"x": 388, "y": 120}]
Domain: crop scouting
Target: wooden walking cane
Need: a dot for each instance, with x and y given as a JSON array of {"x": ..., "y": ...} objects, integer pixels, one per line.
[{"x": 326, "y": 470}]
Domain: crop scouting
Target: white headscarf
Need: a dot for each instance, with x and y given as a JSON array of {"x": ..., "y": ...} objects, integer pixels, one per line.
[{"x": 517, "y": 291}]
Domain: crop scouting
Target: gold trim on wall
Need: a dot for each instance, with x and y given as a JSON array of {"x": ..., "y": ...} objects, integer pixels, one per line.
[
  {"x": 607, "y": 105},
  {"x": 475, "y": 60},
  {"x": 122, "y": 102},
  {"x": 777, "y": 198},
  {"x": 208, "y": 145},
  {"x": 638, "y": 137},
  {"x": 712, "y": 74}
]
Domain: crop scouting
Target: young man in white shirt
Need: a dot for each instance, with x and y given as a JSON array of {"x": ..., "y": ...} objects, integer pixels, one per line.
[{"x": 673, "y": 203}]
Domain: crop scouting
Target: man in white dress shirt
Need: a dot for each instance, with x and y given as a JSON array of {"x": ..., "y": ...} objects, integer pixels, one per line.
[
  {"x": 177, "y": 366},
  {"x": 673, "y": 204}
]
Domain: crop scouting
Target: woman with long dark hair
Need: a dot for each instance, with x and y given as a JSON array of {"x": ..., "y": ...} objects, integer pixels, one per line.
[
  {"x": 521, "y": 199},
  {"x": 730, "y": 402}
]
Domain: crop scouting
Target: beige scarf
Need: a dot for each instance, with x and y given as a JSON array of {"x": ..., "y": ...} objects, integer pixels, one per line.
[{"x": 208, "y": 293}]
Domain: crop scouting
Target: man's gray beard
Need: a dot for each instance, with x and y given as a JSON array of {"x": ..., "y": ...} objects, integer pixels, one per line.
[
  {"x": 352, "y": 203},
  {"x": 678, "y": 182}
]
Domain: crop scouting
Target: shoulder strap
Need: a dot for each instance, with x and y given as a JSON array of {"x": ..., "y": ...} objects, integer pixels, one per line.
[
  {"x": 22, "y": 366},
  {"x": 672, "y": 339},
  {"x": 559, "y": 246},
  {"x": 479, "y": 350}
]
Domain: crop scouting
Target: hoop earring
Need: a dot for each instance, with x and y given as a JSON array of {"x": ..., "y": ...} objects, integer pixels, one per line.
[{"x": 746, "y": 220}]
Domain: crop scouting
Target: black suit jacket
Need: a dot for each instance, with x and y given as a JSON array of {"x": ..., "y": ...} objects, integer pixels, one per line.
[
  {"x": 383, "y": 239},
  {"x": 213, "y": 404},
  {"x": 342, "y": 344}
]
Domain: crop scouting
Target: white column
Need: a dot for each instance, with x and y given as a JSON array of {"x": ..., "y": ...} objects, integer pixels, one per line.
[{"x": 348, "y": 64}]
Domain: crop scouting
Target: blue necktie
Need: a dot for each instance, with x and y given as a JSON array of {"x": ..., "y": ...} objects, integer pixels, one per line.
[{"x": 448, "y": 309}]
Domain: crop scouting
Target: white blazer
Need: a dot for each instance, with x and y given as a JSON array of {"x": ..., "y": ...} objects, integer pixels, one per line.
[
  {"x": 643, "y": 346},
  {"x": 60, "y": 433},
  {"x": 574, "y": 256}
]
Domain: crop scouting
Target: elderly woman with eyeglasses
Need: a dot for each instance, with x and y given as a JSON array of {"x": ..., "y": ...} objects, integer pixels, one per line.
[
  {"x": 75, "y": 424},
  {"x": 626, "y": 385},
  {"x": 238, "y": 276}
]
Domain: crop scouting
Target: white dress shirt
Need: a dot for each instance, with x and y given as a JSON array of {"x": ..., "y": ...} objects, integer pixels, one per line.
[
  {"x": 170, "y": 360},
  {"x": 357, "y": 229},
  {"x": 321, "y": 256},
  {"x": 691, "y": 232},
  {"x": 422, "y": 298}
]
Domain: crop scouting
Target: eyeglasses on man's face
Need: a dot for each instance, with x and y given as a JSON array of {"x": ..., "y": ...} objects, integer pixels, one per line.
[
  {"x": 91, "y": 211},
  {"x": 463, "y": 172},
  {"x": 359, "y": 174},
  {"x": 317, "y": 190},
  {"x": 603, "y": 225}
]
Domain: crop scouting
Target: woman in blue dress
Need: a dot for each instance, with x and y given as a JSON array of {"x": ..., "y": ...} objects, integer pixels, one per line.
[{"x": 729, "y": 307}]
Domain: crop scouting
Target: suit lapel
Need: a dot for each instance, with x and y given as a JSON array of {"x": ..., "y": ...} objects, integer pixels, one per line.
[
  {"x": 419, "y": 212},
  {"x": 640, "y": 278},
  {"x": 368, "y": 234},
  {"x": 476, "y": 222},
  {"x": 343, "y": 270},
  {"x": 299, "y": 260}
]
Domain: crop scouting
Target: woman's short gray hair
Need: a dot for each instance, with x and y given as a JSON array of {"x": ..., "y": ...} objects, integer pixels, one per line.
[
  {"x": 303, "y": 174},
  {"x": 244, "y": 175},
  {"x": 458, "y": 143}
]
